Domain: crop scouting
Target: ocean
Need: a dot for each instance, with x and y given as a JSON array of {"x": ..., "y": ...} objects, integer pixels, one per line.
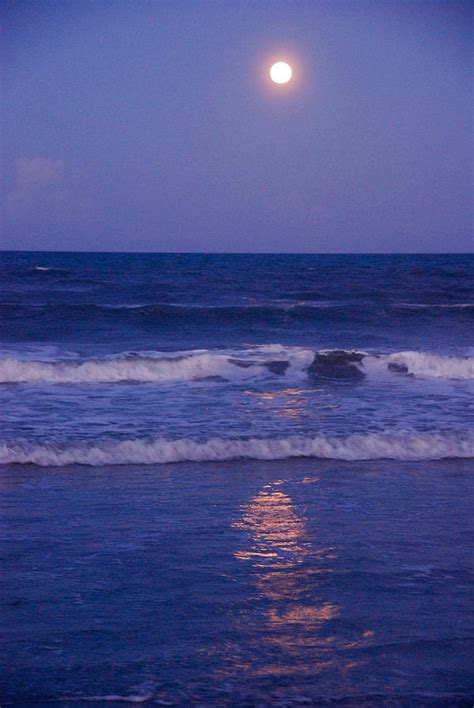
[{"x": 237, "y": 479}]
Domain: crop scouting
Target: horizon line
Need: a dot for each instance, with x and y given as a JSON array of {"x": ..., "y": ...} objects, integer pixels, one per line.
[{"x": 248, "y": 253}]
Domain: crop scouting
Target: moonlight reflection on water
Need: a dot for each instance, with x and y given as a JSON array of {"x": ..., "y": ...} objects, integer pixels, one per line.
[{"x": 298, "y": 626}]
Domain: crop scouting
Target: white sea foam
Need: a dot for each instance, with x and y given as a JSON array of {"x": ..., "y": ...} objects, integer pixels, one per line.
[
  {"x": 429, "y": 306},
  {"x": 45, "y": 269},
  {"x": 372, "y": 446},
  {"x": 112, "y": 698},
  {"x": 425, "y": 365},
  {"x": 236, "y": 365},
  {"x": 182, "y": 367}
]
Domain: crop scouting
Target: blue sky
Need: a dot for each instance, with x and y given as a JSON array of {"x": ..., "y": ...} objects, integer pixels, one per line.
[{"x": 153, "y": 126}]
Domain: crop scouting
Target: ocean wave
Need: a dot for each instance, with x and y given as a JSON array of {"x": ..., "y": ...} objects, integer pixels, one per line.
[
  {"x": 428, "y": 366},
  {"x": 423, "y": 365},
  {"x": 47, "y": 269},
  {"x": 372, "y": 446},
  {"x": 173, "y": 312},
  {"x": 263, "y": 314},
  {"x": 236, "y": 365},
  {"x": 36, "y": 352},
  {"x": 112, "y": 698},
  {"x": 192, "y": 366},
  {"x": 429, "y": 306}
]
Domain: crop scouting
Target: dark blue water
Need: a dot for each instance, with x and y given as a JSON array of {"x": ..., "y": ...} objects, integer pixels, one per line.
[
  {"x": 162, "y": 543},
  {"x": 147, "y": 358},
  {"x": 103, "y": 302}
]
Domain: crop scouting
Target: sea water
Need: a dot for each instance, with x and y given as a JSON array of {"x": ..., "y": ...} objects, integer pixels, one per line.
[{"x": 237, "y": 478}]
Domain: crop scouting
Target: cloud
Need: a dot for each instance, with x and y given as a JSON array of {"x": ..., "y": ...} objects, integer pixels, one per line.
[
  {"x": 38, "y": 190},
  {"x": 47, "y": 200},
  {"x": 38, "y": 171}
]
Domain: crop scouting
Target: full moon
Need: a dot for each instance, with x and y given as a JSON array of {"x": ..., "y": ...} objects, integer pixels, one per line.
[{"x": 281, "y": 72}]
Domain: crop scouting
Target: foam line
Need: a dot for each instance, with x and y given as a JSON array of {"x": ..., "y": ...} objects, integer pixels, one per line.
[
  {"x": 149, "y": 367},
  {"x": 413, "y": 446}
]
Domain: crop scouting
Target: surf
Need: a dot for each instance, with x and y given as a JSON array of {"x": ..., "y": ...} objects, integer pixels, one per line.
[{"x": 371, "y": 446}]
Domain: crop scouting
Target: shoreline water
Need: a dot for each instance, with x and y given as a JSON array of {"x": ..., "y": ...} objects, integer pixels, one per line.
[{"x": 239, "y": 583}]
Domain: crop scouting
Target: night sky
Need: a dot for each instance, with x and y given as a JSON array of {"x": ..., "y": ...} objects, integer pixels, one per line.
[{"x": 153, "y": 126}]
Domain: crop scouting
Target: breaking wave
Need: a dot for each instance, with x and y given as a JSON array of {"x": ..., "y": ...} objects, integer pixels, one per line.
[
  {"x": 422, "y": 446},
  {"x": 198, "y": 365},
  {"x": 424, "y": 365},
  {"x": 237, "y": 365}
]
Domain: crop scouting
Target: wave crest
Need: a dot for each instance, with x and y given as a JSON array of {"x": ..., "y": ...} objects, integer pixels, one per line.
[
  {"x": 421, "y": 446},
  {"x": 424, "y": 365},
  {"x": 237, "y": 365},
  {"x": 154, "y": 368}
]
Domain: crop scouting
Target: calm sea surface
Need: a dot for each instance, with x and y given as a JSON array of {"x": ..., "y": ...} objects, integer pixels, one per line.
[{"x": 311, "y": 539}]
